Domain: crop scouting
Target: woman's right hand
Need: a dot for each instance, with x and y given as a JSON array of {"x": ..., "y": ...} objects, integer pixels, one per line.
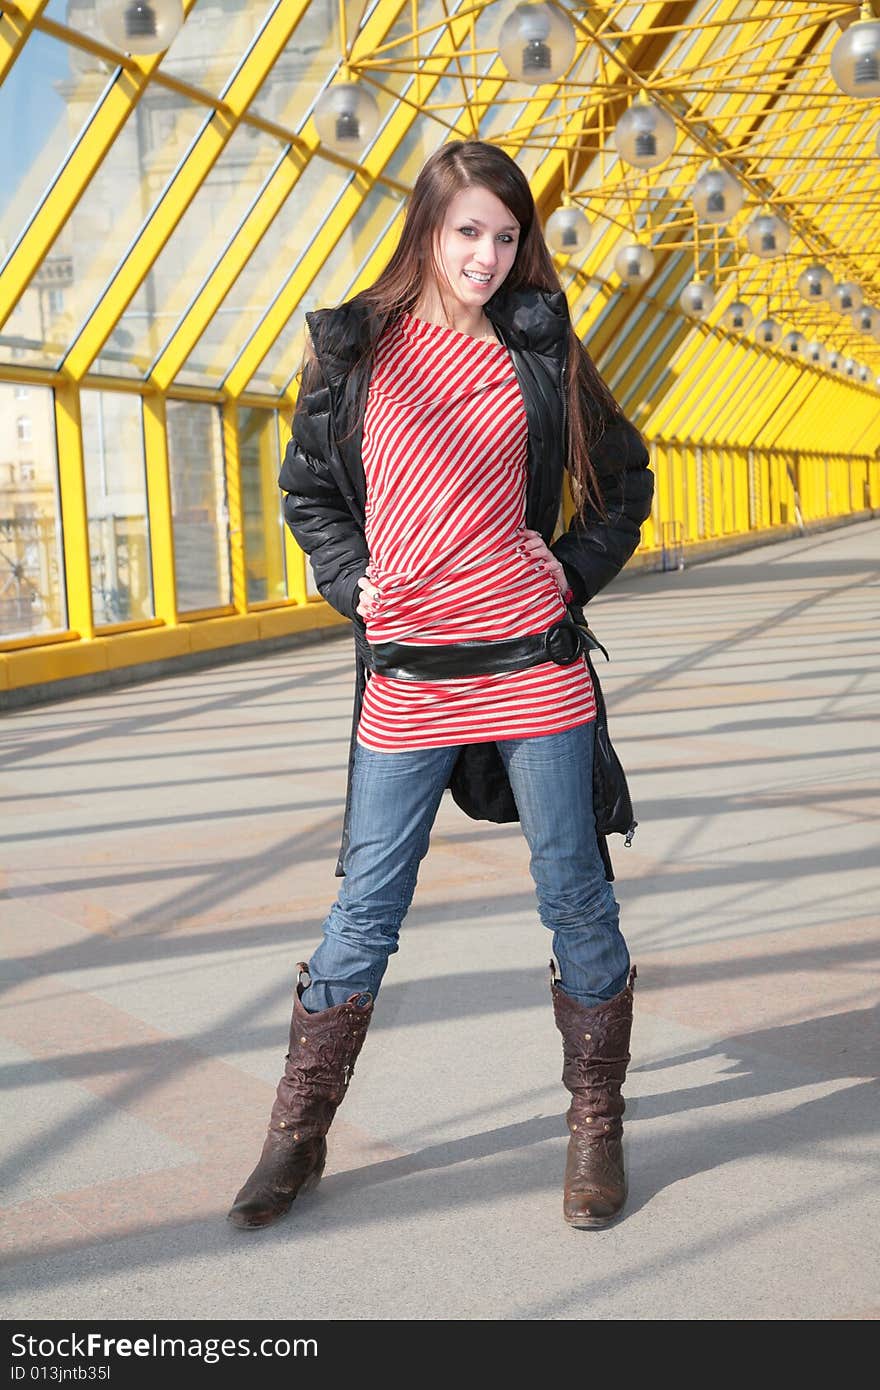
[{"x": 369, "y": 595}]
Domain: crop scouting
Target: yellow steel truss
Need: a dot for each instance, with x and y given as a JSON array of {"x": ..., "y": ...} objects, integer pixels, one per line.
[{"x": 743, "y": 439}]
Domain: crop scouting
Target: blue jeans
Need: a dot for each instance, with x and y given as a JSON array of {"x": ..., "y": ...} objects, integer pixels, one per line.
[{"x": 394, "y": 800}]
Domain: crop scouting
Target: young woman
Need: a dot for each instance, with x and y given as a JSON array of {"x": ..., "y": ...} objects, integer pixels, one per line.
[{"x": 437, "y": 413}]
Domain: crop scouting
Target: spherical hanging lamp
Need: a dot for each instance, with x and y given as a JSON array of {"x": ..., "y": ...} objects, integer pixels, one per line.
[
  {"x": 794, "y": 343},
  {"x": 855, "y": 58},
  {"x": 645, "y": 134},
  {"x": 536, "y": 44},
  {"x": 737, "y": 317},
  {"x": 815, "y": 283},
  {"x": 866, "y": 319},
  {"x": 864, "y": 373},
  {"x": 140, "y": 26},
  {"x": 696, "y": 299},
  {"x": 768, "y": 333},
  {"x": 850, "y": 366},
  {"x": 815, "y": 353},
  {"x": 717, "y": 195},
  {"x": 767, "y": 235},
  {"x": 346, "y": 117},
  {"x": 846, "y": 297},
  {"x": 568, "y": 230},
  {"x": 834, "y": 361},
  {"x": 634, "y": 263}
]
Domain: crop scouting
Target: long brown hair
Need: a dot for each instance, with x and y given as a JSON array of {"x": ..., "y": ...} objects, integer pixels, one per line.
[{"x": 455, "y": 166}]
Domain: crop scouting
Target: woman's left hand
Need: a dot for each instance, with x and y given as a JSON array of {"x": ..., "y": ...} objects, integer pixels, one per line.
[{"x": 533, "y": 544}]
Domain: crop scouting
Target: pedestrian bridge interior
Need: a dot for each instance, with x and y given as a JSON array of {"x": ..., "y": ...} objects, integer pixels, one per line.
[
  {"x": 706, "y": 174},
  {"x": 177, "y": 695}
]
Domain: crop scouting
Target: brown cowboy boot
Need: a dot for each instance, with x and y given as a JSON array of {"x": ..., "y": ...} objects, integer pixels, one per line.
[
  {"x": 595, "y": 1044},
  {"x": 323, "y": 1049}
]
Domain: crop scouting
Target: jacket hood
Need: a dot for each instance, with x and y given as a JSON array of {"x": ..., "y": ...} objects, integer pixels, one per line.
[{"x": 531, "y": 319}]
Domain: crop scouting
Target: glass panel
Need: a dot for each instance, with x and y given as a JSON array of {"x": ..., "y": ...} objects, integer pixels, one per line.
[
  {"x": 504, "y": 115},
  {"x": 45, "y": 100},
  {"x": 301, "y": 217},
  {"x": 198, "y": 506},
  {"x": 261, "y": 505},
  {"x": 116, "y": 494},
  {"x": 81, "y": 16},
  {"x": 119, "y": 199},
  {"x": 180, "y": 270},
  {"x": 32, "y": 594},
  {"x": 301, "y": 70},
  {"x": 332, "y": 285},
  {"x": 213, "y": 41},
  {"x": 284, "y": 358},
  {"x": 423, "y": 137}
]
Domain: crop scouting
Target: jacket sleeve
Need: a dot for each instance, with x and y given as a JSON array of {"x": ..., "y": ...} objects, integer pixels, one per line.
[
  {"x": 315, "y": 509},
  {"x": 593, "y": 551}
]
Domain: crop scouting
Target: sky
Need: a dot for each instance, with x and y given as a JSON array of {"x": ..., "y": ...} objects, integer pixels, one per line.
[{"x": 34, "y": 135}]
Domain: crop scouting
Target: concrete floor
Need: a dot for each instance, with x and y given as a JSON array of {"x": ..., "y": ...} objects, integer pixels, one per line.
[{"x": 169, "y": 854}]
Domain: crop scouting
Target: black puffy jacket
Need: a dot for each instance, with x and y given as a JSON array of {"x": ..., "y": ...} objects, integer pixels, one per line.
[{"x": 325, "y": 485}]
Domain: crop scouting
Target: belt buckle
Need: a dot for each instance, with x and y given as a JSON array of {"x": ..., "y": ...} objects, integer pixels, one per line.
[{"x": 562, "y": 642}]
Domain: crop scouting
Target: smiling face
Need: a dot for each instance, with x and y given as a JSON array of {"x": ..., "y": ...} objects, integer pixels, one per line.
[{"x": 475, "y": 249}]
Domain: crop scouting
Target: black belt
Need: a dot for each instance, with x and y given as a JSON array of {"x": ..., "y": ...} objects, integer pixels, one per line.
[{"x": 564, "y": 642}]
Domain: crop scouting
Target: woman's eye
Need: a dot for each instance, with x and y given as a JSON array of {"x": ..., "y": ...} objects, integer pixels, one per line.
[{"x": 505, "y": 236}]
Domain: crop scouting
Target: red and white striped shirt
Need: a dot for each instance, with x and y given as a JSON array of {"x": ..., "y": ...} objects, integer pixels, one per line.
[{"x": 444, "y": 448}]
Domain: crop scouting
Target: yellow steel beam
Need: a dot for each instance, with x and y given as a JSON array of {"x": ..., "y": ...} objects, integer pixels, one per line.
[
  {"x": 16, "y": 24},
  {"x": 738, "y": 423},
  {"x": 612, "y": 334},
  {"x": 352, "y": 199},
  {"x": 813, "y": 419},
  {"x": 777, "y": 432},
  {"x": 769, "y": 410},
  {"x": 74, "y": 177},
  {"x": 197, "y": 96},
  {"x": 654, "y": 326},
  {"x": 74, "y": 510},
  {"x": 864, "y": 432},
  {"x": 29, "y": 376},
  {"x": 263, "y": 399},
  {"x": 235, "y": 506},
  {"x": 610, "y": 329},
  {"x": 720, "y": 387},
  {"x": 751, "y": 367},
  {"x": 204, "y": 153},
  {"x": 485, "y": 89},
  {"x": 228, "y": 268},
  {"x": 545, "y": 186},
  {"x": 369, "y": 270},
  {"x": 695, "y": 353},
  {"x": 96, "y": 381}
]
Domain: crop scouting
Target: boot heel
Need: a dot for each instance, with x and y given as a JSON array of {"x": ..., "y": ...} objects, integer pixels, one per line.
[{"x": 316, "y": 1174}]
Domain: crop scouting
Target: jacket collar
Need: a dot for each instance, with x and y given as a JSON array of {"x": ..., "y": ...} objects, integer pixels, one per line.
[{"x": 531, "y": 319}]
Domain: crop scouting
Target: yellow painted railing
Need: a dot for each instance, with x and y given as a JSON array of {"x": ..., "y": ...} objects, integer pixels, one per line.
[
  {"x": 710, "y": 493},
  {"x": 705, "y": 495}
]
